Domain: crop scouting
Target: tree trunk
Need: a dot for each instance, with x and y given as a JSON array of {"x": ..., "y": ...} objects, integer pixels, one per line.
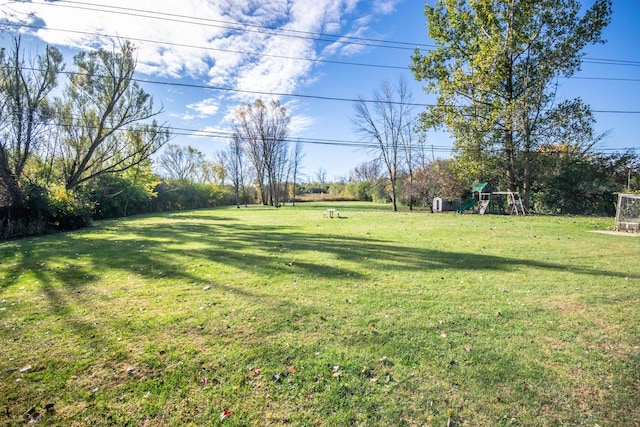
[{"x": 9, "y": 182}]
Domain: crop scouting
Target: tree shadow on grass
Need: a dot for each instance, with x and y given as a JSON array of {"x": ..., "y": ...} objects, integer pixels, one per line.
[
  {"x": 158, "y": 251},
  {"x": 64, "y": 264}
]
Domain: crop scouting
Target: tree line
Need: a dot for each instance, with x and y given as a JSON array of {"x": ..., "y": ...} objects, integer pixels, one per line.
[
  {"x": 54, "y": 148},
  {"x": 494, "y": 73},
  {"x": 84, "y": 150},
  {"x": 78, "y": 144}
]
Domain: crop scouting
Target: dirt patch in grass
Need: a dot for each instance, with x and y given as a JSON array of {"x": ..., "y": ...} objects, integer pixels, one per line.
[{"x": 615, "y": 233}]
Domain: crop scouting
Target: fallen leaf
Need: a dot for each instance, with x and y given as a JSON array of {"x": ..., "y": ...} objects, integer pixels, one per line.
[
  {"x": 226, "y": 413},
  {"x": 308, "y": 395},
  {"x": 467, "y": 348},
  {"x": 256, "y": 371},
  {"x": 25, "y": 369},
  {"x": 443, "y": 335},
  {"x": 292, "y": 370}
]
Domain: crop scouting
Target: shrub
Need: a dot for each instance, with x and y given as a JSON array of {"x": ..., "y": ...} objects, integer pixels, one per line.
[{"x": 67, "y": 209}]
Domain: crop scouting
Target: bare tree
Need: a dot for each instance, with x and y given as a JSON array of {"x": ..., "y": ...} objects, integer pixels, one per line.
[
  {"x": 321, "y": 176},
  {"x": 181, "y": 163},
  {"x": 236, "y": 168},
  {"x": 263, "y": 128},
  {"x": 103, "y": 115},
  {"x": 296, "y": 159},
  {"x": 409, "y": 144},
  {"x": 385, "y": 123},
  {"x": 367, "y": 171}
]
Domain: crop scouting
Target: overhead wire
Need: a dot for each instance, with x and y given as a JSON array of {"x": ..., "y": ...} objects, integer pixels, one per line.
[
  {"x": 246, "y": 27},
  {"x": 297, "y": 95},
  {"x": 262, "y": 54},
  {"x": 236, "y": 26}
]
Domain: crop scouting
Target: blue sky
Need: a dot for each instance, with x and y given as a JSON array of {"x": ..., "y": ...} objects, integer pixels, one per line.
[{"x": 194, "y": 42}]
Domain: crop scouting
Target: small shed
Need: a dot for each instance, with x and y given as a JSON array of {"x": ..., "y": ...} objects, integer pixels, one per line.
[{"x": 437, "y": 204}]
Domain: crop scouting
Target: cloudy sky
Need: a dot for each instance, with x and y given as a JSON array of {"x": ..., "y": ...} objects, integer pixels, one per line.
[{"x": 313, "y": 55}]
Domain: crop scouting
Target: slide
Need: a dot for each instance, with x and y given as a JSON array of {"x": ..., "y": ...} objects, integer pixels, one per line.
[{"x": 471, "y": 203}]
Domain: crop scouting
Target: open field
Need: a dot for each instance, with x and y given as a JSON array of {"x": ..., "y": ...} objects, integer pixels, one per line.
[{"x": 264, "y": 316}]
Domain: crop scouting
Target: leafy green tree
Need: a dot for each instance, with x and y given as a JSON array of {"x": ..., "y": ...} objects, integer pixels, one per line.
[
  {"x": 104, "y": 116},
  {"x": 495, "y": 71},
  {"x": 578, "y": 182},
  {"x": 125, "y": 193},
  {"x": 26, "y": 111}
]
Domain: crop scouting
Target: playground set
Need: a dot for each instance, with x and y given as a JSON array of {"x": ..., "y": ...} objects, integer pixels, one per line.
[{"x": 485, "y": 200}]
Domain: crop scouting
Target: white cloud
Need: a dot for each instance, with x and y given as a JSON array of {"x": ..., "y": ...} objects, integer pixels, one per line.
[
  {"x": 246, "y": 45},
  {"x": 205, "y": 108},
  {"x": 385, "y": 7}
]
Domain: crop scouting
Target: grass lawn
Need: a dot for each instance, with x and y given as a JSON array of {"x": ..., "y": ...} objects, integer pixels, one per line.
[{"x": 263, "y": 316}]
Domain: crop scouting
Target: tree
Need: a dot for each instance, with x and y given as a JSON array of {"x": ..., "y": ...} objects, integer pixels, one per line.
[
  {"x": 409, "y": 147},
  {"x": 321, "y": 176},
  {"x": 263, "y": 128},
  {"x": 26, "y": 111},
  {"x": 436, "y": 179},
  {"x": 236, "y": 168},
  {"x": 386, "y": 124},
  {"x": 296, "y": 162},
  {"x": 103, "y": 115},
  {"x": 578, "y": 182},
  {"x": 367, "y": 171},
  {"x": 495, "y": 72},
  {"x": 181, "y": 163},
  {"x": 124, "y": 193}
]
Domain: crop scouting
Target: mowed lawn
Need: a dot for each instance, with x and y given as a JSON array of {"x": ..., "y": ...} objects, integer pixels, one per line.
[{"x": 259, "y": 316}]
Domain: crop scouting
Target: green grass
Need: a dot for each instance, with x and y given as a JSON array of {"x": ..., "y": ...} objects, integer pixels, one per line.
[{"x": 284, "y": 317}]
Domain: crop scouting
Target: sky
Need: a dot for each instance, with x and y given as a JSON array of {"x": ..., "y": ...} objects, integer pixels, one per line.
[{"x": 201, "y": 59}]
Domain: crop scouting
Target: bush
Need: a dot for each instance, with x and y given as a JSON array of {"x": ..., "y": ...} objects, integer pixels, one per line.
[
  {"x": 183, "y": 194},
  {"x": 67, "y": 209}
]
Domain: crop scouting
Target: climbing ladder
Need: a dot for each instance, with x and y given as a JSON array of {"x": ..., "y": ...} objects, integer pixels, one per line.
[{"x": 484, "y": 204}]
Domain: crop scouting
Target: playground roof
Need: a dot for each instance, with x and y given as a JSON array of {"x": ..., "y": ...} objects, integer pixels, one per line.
[{"x": 479, "y": 187}]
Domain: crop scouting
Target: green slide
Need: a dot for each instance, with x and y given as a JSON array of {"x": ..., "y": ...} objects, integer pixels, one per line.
[{"x": 471, "y": 203}]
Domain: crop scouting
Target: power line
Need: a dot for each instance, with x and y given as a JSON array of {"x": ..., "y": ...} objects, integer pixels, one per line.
[
  {"x": 176, "y": 18},
  {"x": 314, "y": 60},
  {"x": 182, "y": 45},
  {"x": 172, "y": 17},
  {"x": 304, "y": 96}
]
